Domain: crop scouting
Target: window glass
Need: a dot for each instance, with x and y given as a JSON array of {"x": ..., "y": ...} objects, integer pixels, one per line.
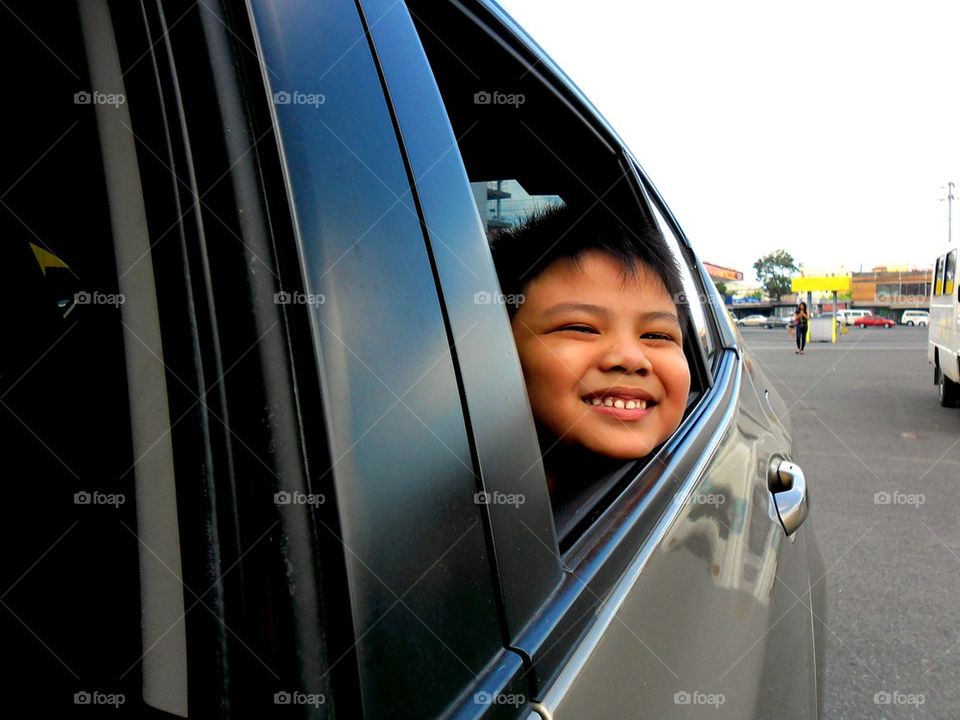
[
  {"x": 938, "y": 277},
  {"x": 504, "y": 203},
  {"x": 693, "y": 299},
  {"x": 949, "y": 271}
]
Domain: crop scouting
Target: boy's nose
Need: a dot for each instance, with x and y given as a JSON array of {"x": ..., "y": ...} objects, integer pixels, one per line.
[{"x": 626, "y": 357}]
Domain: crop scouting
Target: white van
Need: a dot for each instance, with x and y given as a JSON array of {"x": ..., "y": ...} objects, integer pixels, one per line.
[
  {"x": 915, "y": 317},
  {"x": 943, "y": 336},
  {"x": 849, "y": 317}
]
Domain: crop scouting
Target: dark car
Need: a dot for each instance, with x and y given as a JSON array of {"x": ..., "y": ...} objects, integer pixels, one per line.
[
  {"x": 268, "y": 446},
  {"x": 872, "y": 320}
]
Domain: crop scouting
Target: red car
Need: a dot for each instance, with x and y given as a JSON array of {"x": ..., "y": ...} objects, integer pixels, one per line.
[{"x": 870, "y": 320}]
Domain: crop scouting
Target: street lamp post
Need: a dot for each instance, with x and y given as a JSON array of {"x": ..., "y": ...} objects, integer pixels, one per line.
[{"x": 949, "y": 198}]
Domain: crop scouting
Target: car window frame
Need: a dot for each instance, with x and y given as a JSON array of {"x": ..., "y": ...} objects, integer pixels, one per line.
[{"x": 603, "y": 552}]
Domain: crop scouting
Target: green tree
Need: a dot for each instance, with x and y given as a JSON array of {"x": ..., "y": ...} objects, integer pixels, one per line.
[
  {"x": 774, "y": 271},
  {"x": 721, "y": 287}
]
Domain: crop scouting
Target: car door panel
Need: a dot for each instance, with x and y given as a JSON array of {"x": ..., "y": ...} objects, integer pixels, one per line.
[{"x": 713, "y": 611}]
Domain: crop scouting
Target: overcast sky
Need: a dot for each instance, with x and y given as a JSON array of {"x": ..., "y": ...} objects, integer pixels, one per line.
[{"x": 824, "y": 128}]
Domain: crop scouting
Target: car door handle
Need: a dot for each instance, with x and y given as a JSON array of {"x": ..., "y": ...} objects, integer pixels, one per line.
[{"x": 789, "y": 489}]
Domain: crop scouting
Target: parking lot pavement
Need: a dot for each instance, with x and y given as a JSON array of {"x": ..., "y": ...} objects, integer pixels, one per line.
[{"x": 882, "y": 461}]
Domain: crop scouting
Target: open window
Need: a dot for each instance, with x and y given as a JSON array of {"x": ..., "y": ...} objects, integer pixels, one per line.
[{"x": 528, "y": 144}]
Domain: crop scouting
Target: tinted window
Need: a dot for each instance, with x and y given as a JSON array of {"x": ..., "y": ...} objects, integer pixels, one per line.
[{"x": 422, "y": 603}]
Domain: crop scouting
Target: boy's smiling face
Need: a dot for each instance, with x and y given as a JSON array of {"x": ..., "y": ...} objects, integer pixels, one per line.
[{"x": 602, "y": 356}]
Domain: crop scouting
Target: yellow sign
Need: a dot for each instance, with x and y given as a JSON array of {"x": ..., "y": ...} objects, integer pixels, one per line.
[{"x": 838, "y": 283}]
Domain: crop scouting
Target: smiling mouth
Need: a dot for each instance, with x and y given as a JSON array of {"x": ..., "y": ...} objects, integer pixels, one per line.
[{"x": 619, "y": 403}]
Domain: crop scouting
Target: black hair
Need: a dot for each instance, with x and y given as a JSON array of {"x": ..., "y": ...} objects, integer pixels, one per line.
[{"x": 522, "y": 252}]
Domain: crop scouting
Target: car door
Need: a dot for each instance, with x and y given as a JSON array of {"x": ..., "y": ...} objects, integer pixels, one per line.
[{"x": 674, "y": 581}]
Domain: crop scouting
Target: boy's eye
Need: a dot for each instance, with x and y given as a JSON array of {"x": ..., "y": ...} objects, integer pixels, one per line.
[
  {"x": 659, "y": 336},
  {"x": 579, "y": 328}
]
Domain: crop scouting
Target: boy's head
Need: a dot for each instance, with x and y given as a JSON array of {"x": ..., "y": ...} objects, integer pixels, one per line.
[{"x": 598, "y": 331}]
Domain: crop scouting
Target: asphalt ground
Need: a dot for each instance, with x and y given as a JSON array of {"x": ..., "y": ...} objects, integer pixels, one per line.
[{"x": 882, "y": 462}]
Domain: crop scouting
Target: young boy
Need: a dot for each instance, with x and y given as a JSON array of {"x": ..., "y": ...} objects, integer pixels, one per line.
[{"x": 598, "y": 334}]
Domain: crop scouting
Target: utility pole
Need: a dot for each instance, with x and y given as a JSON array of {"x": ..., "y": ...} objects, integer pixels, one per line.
[{"x": 949, "y": 198}]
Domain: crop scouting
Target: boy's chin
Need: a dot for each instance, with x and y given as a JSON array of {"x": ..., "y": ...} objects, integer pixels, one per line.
[{"x": 601, "y": 449}]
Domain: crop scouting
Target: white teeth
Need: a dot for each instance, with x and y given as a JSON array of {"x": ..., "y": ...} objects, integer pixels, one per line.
[{"x": 618, "y": 403}]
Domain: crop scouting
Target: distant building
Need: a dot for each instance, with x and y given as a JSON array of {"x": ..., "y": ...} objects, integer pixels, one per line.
[{"x": 889, "y": 291}]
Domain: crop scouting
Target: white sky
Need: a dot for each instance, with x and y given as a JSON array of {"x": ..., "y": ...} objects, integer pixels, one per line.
[{"x": 824, "y": 128}]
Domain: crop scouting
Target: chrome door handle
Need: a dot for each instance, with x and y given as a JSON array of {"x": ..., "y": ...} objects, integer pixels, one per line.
[{"x": 789, "y": 489}]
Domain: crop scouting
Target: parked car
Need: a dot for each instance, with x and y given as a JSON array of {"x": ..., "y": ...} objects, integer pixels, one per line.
[
  {"x": 849, "y": 317},
  {"x": 872, "y": 320},
  {"x": 275, "y": 457},
  {"x": 753, "y": 321},
  {"x": 915, "y": 317}
]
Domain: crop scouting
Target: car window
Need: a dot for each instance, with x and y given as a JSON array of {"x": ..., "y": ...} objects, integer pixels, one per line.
[
  {"x": 695, "y": 299},
  {"x": 412, "y": 533},
  {"x": 526, "y": 146},
  {"x": 938, "y": 277},
  {"x": 949, "y": 272}
]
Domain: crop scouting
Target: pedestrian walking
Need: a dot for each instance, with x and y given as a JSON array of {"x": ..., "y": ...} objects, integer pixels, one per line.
[{"x": 800, "y": 320}]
